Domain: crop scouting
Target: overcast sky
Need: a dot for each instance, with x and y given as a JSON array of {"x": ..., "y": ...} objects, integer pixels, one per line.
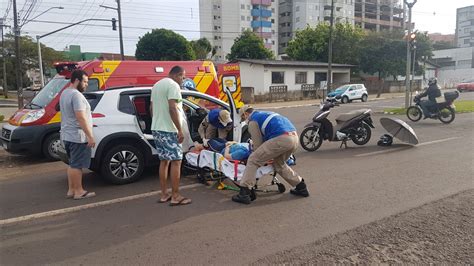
[{"x": 140, "y": 16}]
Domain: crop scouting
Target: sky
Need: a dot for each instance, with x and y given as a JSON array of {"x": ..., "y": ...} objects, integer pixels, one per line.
[{"x": 182, "y": 16}]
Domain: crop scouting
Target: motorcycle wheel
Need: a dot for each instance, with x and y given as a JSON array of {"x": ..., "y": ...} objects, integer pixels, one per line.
[
  {"x": 414, "y": 113},
  {"x": 310, "y": 140},
  {"x": 363, "y": 134},
  {"x": 446, "y": 115}
]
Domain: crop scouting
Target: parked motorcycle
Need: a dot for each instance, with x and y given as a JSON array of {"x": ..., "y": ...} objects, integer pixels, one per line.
[
  {"x": 355, "y": 125},
  {"x": 444, "y": 111}
]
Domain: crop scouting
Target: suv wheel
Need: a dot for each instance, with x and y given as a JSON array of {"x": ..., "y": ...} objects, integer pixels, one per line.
[
  {"x": 345, "y": 99},
  {"x": 123, "y": 164},
  {"x": 50, "y": 147}
]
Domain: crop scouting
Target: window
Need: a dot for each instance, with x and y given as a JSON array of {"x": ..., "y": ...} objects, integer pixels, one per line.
[
  {"x": 467, "y": 30},
  {"x": 93, "y": 85},
  {"x": 300, "y": 77},
  {"x": 215, "y": 27},
  {"x": 93, "y": 99},
  {"x": 297, "y": 8},
  {"x": 242, "y": 18},
  {"x": 297, "y": 19},
  {"x": 278, "y": 77},
  {"x": 215, "y": 17},
  {"x": 242, "y": 6},
  {"x": 248, "y": 18},
  {"x": 215, "y": 37},
  {"x": 248, "y": 7},
  {"x": 215, "y": 6},
  {"x": 273, "y": 42},
  {"x": 467, "y": 41},
  {"x": 273, "y": 21},
  {"x": 49, "y": 92}
]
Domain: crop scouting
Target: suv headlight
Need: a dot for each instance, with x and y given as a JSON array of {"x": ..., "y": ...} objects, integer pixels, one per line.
[{"x": 33, "y": 115}]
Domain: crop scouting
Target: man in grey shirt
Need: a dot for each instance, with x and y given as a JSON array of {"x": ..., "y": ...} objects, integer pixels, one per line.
[{"x": 76, "y": 133}]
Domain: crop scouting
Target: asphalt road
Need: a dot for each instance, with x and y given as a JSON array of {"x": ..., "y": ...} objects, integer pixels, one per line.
[{"x": 356, "y": 193}]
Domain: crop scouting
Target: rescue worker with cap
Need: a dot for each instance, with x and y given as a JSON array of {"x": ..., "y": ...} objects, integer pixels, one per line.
[
  {"x": 217, "y": 124},
  {"x": 274, "y": 138}
]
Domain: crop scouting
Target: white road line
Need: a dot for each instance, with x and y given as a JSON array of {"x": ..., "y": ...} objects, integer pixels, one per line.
[
  {"x": 403, "y": 148},
  {"x": 83, "y": 207}
]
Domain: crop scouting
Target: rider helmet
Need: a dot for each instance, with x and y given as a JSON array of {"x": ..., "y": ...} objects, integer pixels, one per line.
[
  {"x": 432, "y": 81},
  {"x": 385, "y": 140}
]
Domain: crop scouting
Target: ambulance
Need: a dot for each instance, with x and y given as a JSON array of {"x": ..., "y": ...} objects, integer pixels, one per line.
[{"x": 34, "y": 129}]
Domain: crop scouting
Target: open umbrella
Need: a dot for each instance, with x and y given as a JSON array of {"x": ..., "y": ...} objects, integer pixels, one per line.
[{"x": 399, "y": 129}]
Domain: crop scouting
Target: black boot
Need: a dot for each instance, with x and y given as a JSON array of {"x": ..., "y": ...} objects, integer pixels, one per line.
[
  {"x": 253, "y": 195},
  {"x": 243, "y": 196},
  {"x": 300, "y": 190}
]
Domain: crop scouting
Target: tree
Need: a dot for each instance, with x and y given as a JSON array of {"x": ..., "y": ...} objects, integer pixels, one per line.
[
  {"x": 163, "y": 45},
  {"x": 250, "y": 46},
  {"x": 202, "y": 48},
  {"x": 441, "y": 45},
  {"x": 29, "y": 58},
  {"x": 312, "y": 44}
]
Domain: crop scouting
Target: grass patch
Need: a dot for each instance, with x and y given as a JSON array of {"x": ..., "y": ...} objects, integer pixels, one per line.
[
  {"x": 2, "y": 117},
  {"x": 461, "y": 107}
]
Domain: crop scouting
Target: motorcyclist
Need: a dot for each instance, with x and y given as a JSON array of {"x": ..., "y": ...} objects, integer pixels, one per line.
[{"x": 432, "y": 92}]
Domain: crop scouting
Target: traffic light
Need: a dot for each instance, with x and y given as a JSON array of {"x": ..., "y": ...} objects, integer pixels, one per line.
[
  {"x": 114, "y": 24},
  {"x": 412, "y": 40}
]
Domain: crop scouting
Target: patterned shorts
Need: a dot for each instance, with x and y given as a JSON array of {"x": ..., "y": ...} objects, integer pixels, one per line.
[{"x": 167, "y": 146}]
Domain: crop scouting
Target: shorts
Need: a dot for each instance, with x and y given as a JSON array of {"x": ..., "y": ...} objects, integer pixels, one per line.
[
  {"x": 167, "y": 146},
  {"x": 79, "y": 154}
]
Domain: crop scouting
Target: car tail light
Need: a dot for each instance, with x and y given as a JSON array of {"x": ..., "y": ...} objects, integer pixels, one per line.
[{"x": 97, "y": 115}]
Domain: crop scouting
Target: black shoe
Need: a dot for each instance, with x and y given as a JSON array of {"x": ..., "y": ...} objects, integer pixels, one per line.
[
  {"x": 300, "y": 190},
  {"x": 244, "y": 196},
  {"x": 253, "y": 195}
]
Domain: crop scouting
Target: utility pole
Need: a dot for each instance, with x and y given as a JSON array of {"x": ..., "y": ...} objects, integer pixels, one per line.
[
  {"x": 119, "y": 11},
  {"x": 329, "y": 76},
  {"x": 16, "y": 31},
  {"x": 408, "y": 67},
  {"x": 4, "y": 59}
]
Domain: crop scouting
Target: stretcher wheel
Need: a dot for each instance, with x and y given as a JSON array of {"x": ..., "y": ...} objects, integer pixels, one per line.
[{"x": 281, "y": 188}]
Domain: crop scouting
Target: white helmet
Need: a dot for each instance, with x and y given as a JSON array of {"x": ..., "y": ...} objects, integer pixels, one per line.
[{"x": 432, "y": 81}]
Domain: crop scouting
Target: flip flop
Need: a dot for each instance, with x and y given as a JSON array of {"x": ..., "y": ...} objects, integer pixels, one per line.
[
  {"x": 183, "y": 201},
  {"x": 86, "y": 195},
  {"x": 164, "y": 201}
]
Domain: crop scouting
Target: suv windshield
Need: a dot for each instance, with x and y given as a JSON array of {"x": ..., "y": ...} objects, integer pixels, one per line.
[
  {"x": 48, "y": 93},
  {"x": 342, "y": 89}
]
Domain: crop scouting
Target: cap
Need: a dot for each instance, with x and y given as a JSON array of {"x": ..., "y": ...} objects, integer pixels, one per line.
[
  {"x": 224, "y": 117},
  {"x": 244, "y": 109}
]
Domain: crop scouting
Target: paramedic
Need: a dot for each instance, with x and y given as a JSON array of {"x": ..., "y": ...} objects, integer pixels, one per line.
[
  {"x": 217, "y": 124},
  {"x": 274, "y": 138}
]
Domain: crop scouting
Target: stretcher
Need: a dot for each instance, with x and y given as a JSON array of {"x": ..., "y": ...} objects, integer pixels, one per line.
[{"x": 213, "y": 166}]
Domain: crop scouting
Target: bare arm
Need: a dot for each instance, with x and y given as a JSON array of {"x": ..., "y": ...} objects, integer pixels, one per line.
[
  {"x": 202, "y": 128},
  {"x": 175, "y": 117},
  {"x": 83, "y": 123},
  {"x": 255, "y": 134},
  {"x": 227, "y": 154}
]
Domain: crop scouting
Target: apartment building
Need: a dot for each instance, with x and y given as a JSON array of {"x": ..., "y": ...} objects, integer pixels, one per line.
[
  {"x": 465, "y": 26},
  {"x": 298, "y": 14},
  {"x": 379, "y": 15},
  {"x": 221, "y": 21}
]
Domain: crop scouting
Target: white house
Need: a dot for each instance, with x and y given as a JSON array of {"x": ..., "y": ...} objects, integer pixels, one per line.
[{"x": 261, "y": 74}]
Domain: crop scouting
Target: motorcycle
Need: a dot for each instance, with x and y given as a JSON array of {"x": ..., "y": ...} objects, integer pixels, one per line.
[
  {"x": 355, "y": 125},
  {"x": 444, "y": 111}
]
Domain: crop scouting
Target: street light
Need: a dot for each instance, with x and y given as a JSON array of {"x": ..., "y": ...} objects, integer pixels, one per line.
[
  {"x": 410, "y": 5},
  {"x": 47, "y": 10}
]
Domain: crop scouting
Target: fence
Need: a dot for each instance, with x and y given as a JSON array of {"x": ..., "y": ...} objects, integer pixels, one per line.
[{"x": 278, "y": 93}]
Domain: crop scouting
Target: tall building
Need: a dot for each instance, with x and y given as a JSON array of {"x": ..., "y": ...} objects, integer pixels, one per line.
[
  {"x": 221, "y": 21},
  {"x": 465, "y": 26},
  {"x": 379, "y": 14},
  {"x": 298, "y": 14}
]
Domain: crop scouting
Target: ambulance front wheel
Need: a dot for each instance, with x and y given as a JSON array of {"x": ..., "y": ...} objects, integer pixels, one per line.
[{"x": 50, "y": 146}]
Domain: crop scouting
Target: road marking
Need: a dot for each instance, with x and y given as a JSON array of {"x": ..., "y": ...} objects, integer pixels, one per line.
[
  {"x": 406, "y": 147},
  {"x": 84, "y": 207}
]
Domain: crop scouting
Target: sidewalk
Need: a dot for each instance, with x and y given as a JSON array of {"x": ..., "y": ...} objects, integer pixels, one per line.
[{"x": 277, "y": 105}]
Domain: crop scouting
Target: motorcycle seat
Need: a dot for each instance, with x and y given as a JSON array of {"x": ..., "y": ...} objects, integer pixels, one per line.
[{"x": 352, "y": 114}]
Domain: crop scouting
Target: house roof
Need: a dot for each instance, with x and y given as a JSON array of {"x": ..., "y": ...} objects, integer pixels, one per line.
[{"x": 291, "y": 63}]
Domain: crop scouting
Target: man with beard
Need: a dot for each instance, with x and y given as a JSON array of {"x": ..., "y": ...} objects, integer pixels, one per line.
[{"x": 76, "y": 133}]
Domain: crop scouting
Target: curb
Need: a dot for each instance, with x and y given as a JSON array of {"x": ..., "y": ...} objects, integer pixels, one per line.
[{"x": 8, "y": 105}]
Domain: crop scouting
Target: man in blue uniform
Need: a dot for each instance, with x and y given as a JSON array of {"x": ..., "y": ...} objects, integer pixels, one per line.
[
  {"x": 217, "y": 124},
  {"x": 274, "y": 138}
]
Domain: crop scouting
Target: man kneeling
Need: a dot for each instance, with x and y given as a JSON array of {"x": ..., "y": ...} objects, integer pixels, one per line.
[{"x": 274, "y": 138}]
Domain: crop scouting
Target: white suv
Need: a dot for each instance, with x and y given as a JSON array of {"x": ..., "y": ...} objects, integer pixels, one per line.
[
  {"x": 348, "y": 93},
  {"x": 121, "y": 127}
]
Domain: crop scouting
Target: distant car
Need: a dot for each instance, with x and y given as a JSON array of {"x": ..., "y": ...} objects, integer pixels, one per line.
[
  {"x": 348, "y": 93},
  {"x": 467, "y": 85}
]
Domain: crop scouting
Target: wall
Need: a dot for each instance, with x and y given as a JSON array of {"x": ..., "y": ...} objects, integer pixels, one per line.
[{"x": 449, "y": 78}]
